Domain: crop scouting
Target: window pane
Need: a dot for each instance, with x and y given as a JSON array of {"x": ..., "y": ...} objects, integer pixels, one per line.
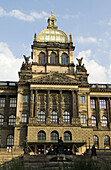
[
  {"x": 103, "y": 121},
  {"x": 102, "y": 104},
  {"x": 12, "y": 102},
  {"x": 67, "y": 136},
  {"x": 54, "y": 136},
  {"x": 82, "y": 99},
  {"x": 66, "y": 117},
  {"x": 41, "y": 116},
  {"x": 41, "y": 135},
  {"x": 1, "y": 119},
  {"x": 93, "y": 121},
  {"x": 2, "y": 102},
  {"x": 11, "y": 120},
  {"x": 10, "y": 140},
  {"x": 92, "y": 101},
  {"x": 24, "y": 118},
  {"x": 54, "y": 116},
  {"x": 83, "y": 118},
  {"x": 24, "y": 98}
]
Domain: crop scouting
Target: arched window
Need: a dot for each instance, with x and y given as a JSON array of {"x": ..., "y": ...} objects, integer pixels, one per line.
[
  {"x": 0, "y": 140},
  {"x": 106, "y": 141},
  {"x": 11, "y": 121},
  {"x": 67, "y": 136},
  {"x": 41, "y": 116},
  {"x": 54, "y": 136},
  {"x": 54, "y": 116},
  {"x": 93, "y": 121},
  {"x": 41, "y": 58},
  {"x": 41, "y": 135},
  {"x": 64, "y": 59},
  {"x": 66, "y": 117},
  {"x": 103, "y": 121},
  {"x": 10, "y": 140},
  {"x": 53, "y": 58},
  {"x": 96, "y": 141},
  {"x": 1, "y": 119}
]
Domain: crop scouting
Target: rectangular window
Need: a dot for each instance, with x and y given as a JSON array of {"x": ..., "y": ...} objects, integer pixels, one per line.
[
  {"x": 12, "y": 102},
  {"x": 24, "y": 118},
  {"x": 102, "y": 104},
  {"x": 2, "y": 102},
  {"x": 83, "y": 118},
  {"x": 82, "y": 99},
  {"x": 24, "y": 98},
  {"x": 92, "y": 102}
]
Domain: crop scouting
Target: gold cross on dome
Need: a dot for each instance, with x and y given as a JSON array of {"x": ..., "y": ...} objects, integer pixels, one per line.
[{"x": 51, "y": 12}]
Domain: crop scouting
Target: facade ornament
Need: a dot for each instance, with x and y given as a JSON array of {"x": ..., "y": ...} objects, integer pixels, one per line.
[
  {"x": 26, "y": 59},
  {"x": 35, "y": 38},
  {"x": 70, "y": 38}
]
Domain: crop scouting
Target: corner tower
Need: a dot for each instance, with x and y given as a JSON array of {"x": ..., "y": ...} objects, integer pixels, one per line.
[{"x": 52, "y": 51}]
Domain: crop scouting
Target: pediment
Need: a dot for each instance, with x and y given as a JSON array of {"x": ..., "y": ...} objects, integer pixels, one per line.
[{"x": 54, "y": 78}]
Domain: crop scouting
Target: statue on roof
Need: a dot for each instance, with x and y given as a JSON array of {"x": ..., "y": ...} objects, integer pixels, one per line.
[
  {"x": 26, "y": 59},
  {"x": 79, "y": 61}
]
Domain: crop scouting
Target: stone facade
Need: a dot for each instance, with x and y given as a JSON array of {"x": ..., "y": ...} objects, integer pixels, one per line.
[{"x": 54, "y": 99}]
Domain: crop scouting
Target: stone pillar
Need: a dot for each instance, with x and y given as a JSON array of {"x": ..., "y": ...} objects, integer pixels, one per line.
[
  {"x": 108, "y": 111},
  {"x": 35, "y": 103},
  {"x": 6, "y": 108},
  {"x": 60, "y": 108},
  {"x": 31, "y": 103},
  {"x": 77, "y": 103},
  {"x": 48, "y": 107},
  {"x": 98, "y": 112},
  {"x": 73, "y": 109}
]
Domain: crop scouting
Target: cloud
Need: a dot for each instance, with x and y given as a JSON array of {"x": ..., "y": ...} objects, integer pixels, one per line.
[
  {"x": 67, "y": 16},
  {"x": 9, "y": 64},
  {"x": 86, "y": 40},
  {"x": 22, "y": 16},
  {"x": 97, "y": 72}
]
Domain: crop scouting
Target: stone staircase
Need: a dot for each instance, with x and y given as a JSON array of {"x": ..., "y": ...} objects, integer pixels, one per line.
[{"x": 8, "y": 156}]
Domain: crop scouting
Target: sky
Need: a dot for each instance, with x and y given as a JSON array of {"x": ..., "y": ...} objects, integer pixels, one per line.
[{"x": 88, "y": 21}]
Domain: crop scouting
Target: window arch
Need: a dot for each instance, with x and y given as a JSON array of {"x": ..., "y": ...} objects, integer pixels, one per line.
[
  {"x": 104, "y": 121},
  {"x": 41, "y": 58},
  {"x": 64, "y": 58},
  {"x": 41, "y": 116},
  {"x": 41, "y": 135},
  {"x": 11, "y": 120},
  {"x": 96, "y": 141},
  {"x": 67, "y": 136},
  {"x": 54, "y": 116},
  {"x": 53, "y": 58},
  {"x": 54, "y": 136},
  {"x": 93, "y": 121},
  {"x": 106, "y": 141},
  {"x": 1, "y": 119},
  {"x": 66, "y": 116},
  {"x": 10, "y": 140}
]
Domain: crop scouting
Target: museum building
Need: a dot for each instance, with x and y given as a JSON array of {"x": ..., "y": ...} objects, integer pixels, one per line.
[{"x": 53, "y": 99}]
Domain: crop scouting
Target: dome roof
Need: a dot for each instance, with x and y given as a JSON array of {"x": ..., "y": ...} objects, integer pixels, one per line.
[{"x": 52, "y": 35}]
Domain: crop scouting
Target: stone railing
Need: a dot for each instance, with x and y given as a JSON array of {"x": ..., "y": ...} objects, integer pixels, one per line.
[
  {"x": 7, "y": 83},
  {"x": 100, "y": 86}
]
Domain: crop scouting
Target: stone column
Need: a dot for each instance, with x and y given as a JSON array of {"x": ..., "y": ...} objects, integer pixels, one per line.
[
  {"x": 108, "y": 111},
  {"x": 6, "y": 108},
  {"x": 48, "y": 107},
  {"x": 77, "y": 103},
  {"x": 73, "y": 109},
  {"x": 60, "y": 108},
  {"x": 98, "y": 112},
  {"x": 31, "y": 103},
  {"x": 35, "y": 103}
]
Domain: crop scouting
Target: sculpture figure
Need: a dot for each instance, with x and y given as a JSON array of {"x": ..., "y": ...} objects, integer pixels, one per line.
[
  {"x": 79, "y": 61},
  {"x": 93, "y": 151},
  {"x": 26, "y": 59}
]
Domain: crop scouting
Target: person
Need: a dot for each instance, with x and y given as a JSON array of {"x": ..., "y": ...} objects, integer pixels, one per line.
[
  {"x": 60, "y": 146},
  {"x": 93, "y": 151}
]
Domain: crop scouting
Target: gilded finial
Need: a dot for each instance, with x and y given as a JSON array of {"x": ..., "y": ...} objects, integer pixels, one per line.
[
  {"x": 35, "y": 39},
  {"x": 70, "y": 37},
  {"x": 51, "y": 12}
]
